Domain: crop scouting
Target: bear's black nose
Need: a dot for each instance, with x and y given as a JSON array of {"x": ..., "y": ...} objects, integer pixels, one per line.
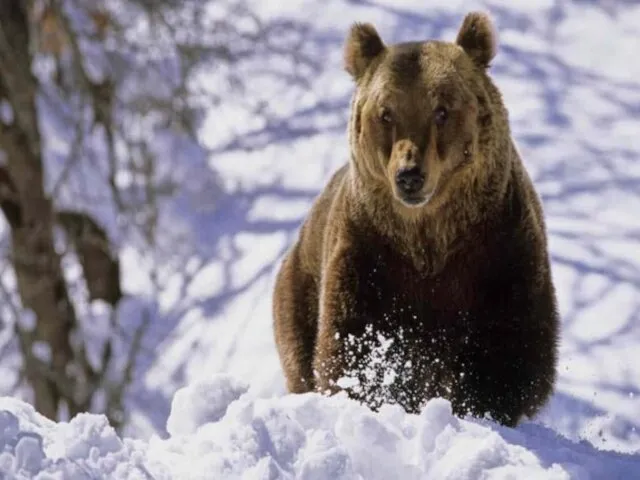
[{"x": 409, "y": 180}]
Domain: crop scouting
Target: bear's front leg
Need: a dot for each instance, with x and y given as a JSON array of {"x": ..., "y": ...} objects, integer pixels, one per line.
[
  {"x": 337, "y": 304},
  {"x": 295, "y": 316},
  {"x": 513, "y": 353}
]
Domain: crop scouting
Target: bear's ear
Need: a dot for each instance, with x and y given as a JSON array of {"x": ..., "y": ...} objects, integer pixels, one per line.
[
  {"x": 363, "y": 44},
  {"x": 477, "y": 37}
]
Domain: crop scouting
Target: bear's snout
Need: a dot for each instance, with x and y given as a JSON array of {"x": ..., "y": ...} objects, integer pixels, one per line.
[{"x": 409, "y": 180}]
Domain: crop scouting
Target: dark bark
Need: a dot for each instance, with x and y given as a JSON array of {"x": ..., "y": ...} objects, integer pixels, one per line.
[{"x": 100, "y": 266}]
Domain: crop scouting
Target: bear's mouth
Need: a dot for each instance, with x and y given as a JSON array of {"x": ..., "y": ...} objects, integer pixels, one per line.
[{"x": 416, "y": 200}]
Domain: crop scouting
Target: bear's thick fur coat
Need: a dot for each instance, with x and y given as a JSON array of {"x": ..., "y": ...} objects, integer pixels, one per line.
[{"x": 422, "y": 269}]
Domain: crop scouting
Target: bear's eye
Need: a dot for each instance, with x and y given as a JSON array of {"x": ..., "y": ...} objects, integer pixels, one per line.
[
  {"x": 386, "y": 117},
  {"x": 440, "y": 116}
]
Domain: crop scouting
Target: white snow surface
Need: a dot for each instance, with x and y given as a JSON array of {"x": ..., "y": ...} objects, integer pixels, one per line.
[{"x": 235, "y": 435}]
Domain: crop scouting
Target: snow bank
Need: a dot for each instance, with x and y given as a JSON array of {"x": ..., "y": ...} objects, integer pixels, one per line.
[{"x": 220, "y": 431}]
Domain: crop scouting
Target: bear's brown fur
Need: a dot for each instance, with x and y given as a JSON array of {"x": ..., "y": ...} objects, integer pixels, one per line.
[{"x": 422, "y": 269}]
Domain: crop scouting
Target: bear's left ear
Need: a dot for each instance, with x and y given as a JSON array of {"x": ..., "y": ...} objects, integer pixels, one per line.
[
  {"x": 477, "y": 37},
  {"x": 362, "y": 46}
]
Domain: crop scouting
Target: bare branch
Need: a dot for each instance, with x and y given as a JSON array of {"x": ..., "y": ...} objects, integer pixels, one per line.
[
  {"x": 115, "y": 394},
  {"x": 101, "y": 268}
]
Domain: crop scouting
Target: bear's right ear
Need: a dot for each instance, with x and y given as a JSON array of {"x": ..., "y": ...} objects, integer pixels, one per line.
[{"x": 362, "y": 46}]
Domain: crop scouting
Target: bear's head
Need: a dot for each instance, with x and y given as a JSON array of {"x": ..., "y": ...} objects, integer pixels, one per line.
[{"x": 424, "y": 114}]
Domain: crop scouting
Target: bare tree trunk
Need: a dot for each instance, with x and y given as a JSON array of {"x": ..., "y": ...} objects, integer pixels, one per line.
[{"x": 37, "y": 265}]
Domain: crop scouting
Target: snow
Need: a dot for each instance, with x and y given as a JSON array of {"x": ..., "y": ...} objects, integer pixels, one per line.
[
  {"x": 202, "y": 402},
  {"x": 42, "y": 351},
  {"x": 570, "y": 80},
  {"x": 6, "y": 112},
  {"x": 219, "y": 430}
]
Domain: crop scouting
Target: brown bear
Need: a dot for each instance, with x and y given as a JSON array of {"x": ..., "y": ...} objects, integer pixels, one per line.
[{"x": 422, "y": 269}]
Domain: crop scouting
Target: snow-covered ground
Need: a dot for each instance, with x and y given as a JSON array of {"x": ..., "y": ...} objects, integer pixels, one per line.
[
  {"x": 219, "y": 431},
  {"x": 570, "y": 77}
]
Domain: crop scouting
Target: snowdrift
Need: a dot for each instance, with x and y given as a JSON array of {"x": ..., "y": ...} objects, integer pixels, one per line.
[{"x": 218, "y": 430}]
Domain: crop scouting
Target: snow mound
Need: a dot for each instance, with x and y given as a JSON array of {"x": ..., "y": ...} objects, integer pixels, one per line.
[
  {"x": 202, "y": 402},
  {"x": 219, "y": 430}
]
